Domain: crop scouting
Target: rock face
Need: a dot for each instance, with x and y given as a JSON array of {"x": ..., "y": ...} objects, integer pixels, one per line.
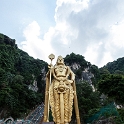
[
  {"x": 34, "y": 86},
  {"x": 75, "y": 66},
  {"x": 86, "y": 75}
]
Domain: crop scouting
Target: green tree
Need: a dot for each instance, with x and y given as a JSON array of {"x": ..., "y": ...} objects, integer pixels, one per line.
[
  {"x": 87, "y": 99},
  {"x": 95, "y": 71},
  {"x": 79, "y": 59},
  {"x": 113, "y": 86}
]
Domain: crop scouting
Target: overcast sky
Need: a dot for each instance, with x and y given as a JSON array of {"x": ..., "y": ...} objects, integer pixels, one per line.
[{"x": 92, "y": 28}]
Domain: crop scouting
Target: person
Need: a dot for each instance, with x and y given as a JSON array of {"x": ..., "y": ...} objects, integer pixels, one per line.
[{"x": 61, "y": 91}]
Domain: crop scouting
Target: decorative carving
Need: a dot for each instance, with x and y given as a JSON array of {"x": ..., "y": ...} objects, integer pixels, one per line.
[{"x": 61, "y": 87}]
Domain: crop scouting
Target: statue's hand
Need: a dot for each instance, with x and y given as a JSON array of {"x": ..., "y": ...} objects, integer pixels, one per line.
[
  {"x": 69, "y": 82},
  {"x": 50, "y": 66}
]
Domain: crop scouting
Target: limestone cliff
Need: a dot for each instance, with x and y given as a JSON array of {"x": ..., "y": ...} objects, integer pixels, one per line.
[{"x": 85, "y": 73}]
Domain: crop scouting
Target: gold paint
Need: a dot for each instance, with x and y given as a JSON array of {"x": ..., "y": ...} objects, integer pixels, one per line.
[{"x": 60, "y": 92}]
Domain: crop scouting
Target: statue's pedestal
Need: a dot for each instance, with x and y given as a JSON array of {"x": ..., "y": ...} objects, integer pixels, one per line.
[{"x": 47, "y": 122}]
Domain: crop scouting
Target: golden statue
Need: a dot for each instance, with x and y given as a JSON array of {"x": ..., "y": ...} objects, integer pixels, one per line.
[{"x": 60, "y": 92}]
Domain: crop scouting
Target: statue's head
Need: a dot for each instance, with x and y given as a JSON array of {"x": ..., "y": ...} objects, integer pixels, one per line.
[{"x": 60, "y": 60}]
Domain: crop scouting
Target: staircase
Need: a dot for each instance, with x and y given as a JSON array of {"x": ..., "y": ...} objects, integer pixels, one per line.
[{"x": 37, "y": 115}]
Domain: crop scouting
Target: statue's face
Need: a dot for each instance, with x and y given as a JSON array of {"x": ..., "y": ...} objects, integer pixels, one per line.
[{"x": 60, "y": 60}]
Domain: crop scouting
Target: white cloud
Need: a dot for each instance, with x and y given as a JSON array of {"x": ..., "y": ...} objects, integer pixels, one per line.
[
  {"x": 32, "y": 31},
  {"x": 91, "y": 28},
  {"x": 117, "y": 34},
  {"x": 34, "y": 45},
  {"x": 106, "y": 57}
]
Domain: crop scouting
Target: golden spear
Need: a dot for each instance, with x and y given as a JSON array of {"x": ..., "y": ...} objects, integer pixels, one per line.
[{"x": 48, "y": 82}]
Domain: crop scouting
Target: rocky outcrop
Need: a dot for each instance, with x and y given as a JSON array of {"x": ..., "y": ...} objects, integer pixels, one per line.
[
  {"x": 34, "y": 86},
  {"x": 75, "y": 66},
  {"x": 86, "y": 75},
  {"x": 109, "y": 120}
]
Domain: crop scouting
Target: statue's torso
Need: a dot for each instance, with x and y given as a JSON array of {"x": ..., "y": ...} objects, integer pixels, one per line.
[{"x": 60, "y": 71}]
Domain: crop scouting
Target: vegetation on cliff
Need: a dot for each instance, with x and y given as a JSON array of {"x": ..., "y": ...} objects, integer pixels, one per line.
[{"x": 18, "y": 70}]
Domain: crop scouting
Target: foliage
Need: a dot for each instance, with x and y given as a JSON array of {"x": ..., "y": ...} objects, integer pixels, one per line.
[
  {"x": 120, "y": 118},
  {"x": 114, "y": 66},
  {"x": 113, "y": 86},
  {"x": 108, "y": 111},
  {"x": 95, "y": 71},
  {"x": 88, "y": 100},
  {"x": 82, "y": 65},
  {"x": 73, "y": 58},
  {"x": 17, "y": 71},
  {"x": 121, "y": 114}
]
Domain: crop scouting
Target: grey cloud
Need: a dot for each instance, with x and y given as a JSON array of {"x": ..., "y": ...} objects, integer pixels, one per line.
[{"x": 93, "y": 25}]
